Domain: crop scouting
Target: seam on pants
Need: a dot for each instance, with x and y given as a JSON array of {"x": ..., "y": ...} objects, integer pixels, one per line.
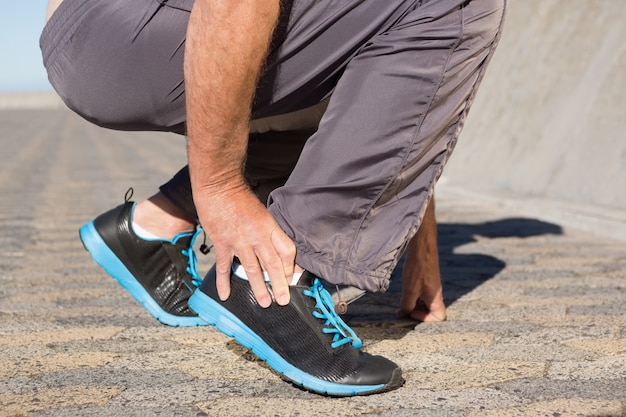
[
  {"x": 408, "y": 148},
  {"x": 462, "y": 117}
]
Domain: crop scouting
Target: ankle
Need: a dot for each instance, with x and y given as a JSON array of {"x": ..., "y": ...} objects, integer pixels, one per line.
[{"x": 157, "y": 215}]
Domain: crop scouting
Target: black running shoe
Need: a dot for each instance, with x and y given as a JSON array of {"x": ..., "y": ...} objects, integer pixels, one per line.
[
  {"x": 161, "y": 274},
  {"x": 305, "y": 341}
]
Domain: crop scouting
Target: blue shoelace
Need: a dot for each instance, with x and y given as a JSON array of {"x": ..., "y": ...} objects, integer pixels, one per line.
[
  {"x": 326, "y": 311},
  {"x": 192, "y": 261}
]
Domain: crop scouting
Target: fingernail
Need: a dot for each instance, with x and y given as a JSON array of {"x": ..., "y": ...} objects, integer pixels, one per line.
[
  {"x": 265, "y": 302},
  {"x": 283, "y": 299}
]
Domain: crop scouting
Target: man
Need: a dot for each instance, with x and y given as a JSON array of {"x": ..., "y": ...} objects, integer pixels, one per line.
[{"x": 399, "y": 78}]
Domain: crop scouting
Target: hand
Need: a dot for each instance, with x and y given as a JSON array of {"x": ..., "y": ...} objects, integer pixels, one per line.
[
  {"x": 421, "y": 300},
  {"x": 239, "y": 225},
  {"x": 422, "y": 296}
]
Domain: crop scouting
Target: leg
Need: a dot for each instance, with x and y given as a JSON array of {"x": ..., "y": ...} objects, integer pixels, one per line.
[{"x": 359, "y": 191}]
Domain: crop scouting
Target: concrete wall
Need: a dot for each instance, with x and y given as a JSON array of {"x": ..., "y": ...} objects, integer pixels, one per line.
[
  {"x": 549, "y": 122},
  {"x": 30, "y": 100}
]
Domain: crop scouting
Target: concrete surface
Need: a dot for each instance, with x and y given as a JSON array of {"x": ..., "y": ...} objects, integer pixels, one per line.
[
  {"x": 548, "y": 125},
  {"x": 537, "y": 325}
]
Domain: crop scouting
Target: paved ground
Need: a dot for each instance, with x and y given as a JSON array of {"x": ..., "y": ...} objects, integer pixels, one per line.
[{"x": 537, "y": 324}]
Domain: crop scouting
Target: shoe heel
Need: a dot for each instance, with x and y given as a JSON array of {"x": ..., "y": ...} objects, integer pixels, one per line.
[{"x": 103, "y": 256}]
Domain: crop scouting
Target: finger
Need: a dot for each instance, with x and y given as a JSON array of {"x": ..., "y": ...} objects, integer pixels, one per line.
[
  {"x": 272, "y": 263},
  {"x": 286, "y": 250},
  {"x": 434, "y": 312},
  {"x": 420, "y": 315},
  {"x": 427, "y": 316},
  {"x": 256, "y": 279},
  {"x": 223, "y": 265},
  {"x": 408, "y": 302},
  {"x": 430, "y": 310},
  {"x": 402, "y": 314}
]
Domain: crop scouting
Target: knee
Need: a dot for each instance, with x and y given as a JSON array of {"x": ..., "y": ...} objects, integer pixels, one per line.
[
  {"x": 109, "y": 101},
  {"x": 100, "y": 105}
]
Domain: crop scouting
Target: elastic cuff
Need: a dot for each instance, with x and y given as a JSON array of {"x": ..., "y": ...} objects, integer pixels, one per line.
[{"x": 178, "y": 191}]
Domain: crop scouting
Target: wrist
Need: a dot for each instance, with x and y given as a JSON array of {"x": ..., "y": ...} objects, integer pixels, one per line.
[{"x": 220, "y": 188}]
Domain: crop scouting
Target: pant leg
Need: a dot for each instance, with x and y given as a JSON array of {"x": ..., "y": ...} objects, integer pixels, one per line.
[
  {"x": 119, "y": 63},
  {"x": 361, "y": 186}
]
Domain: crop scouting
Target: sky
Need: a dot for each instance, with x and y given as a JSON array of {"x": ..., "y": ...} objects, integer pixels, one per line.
[{"x": 21, "y": 22}]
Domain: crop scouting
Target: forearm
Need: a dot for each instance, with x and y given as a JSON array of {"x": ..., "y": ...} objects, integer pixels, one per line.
[{"x": 225, "y": 48}]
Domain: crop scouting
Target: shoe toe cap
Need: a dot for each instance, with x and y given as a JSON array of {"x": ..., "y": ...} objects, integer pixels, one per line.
[{"x": 375, "y": 370}]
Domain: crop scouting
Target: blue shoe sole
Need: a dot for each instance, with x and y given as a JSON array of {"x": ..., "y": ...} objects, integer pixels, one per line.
[
  {"x": 100, "y": 252},
  {"x": 216, "y": 315}
]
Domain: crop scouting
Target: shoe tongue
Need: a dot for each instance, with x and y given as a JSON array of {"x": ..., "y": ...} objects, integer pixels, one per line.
[
  {"x": 305, "y": 279},
  {"x": 300, "y": 279}
]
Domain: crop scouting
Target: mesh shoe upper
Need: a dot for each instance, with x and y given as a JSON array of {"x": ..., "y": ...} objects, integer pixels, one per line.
[
  {"x": 306, "y": 341},
  {"x": 164, "y": 269}
]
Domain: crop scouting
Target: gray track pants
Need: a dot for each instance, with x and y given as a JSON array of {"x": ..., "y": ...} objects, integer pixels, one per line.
[{"x": 400, "y": 74}]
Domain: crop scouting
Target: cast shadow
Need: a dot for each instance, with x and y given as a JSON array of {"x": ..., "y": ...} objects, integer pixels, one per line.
[{"x": 373, "y": 316}]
